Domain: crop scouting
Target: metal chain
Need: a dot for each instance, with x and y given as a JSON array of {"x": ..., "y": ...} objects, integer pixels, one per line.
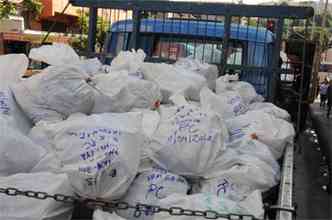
[{"x": 116, "y": 205}]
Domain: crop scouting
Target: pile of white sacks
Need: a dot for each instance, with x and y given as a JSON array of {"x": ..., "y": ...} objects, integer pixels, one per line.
[{"x": 159, "y": 134}]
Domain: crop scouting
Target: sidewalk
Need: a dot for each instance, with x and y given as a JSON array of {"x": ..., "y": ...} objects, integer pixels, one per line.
[{"x": 313, "y": 202}]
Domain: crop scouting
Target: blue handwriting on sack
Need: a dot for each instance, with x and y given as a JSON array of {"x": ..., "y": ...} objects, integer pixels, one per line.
[
  {"x": 154, "y": 190},
  {"x": 4, "y": 103}
]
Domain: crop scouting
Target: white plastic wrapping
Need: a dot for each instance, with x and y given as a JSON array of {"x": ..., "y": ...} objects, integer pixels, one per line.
[
  {"x": 55, "y": 94},
  {"x": 150, "y": 187},
  {"x": 228, "y": 104},
  {"x": 12, "y": 67},
  {"x": 210, "y": 72},
  {"x": 43, "y": 132},
  {"x": 272, "y": 131},
  {"x": 150, "y": 123},
  {"x": 101, "y": 215},
  {"x": 249, "y": 146},
  {"x": 231, "y": 83},
  {"x": 121, "y": 93},
  {"x": 237, "y": 182},
  {"x": 252, "y": 205},
  {"x": 100, "y": 153},
  {"x": 174, "y": 80},
  {"x": 187, "y": 140},
  {"x": 23, "y": 208},
  {"x": 129, "y": 61},
  {"x": 58, "y": 54},
  {"x": 18, "y": 154},
  {"x": 271, "y": 109}
]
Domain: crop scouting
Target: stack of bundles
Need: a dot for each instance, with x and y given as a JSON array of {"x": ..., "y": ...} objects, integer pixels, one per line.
[{"x": 141, "y": 133}]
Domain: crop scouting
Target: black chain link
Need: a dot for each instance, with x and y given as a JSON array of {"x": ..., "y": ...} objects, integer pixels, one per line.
[{"x": 116, "y": 205}]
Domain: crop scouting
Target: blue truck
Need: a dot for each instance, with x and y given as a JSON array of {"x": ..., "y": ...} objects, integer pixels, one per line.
[{"x": 170, "y": 39}]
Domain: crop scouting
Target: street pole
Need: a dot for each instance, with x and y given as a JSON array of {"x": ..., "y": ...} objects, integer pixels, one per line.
[
  {"x": 324, "y": 24},
  {"x": 325, "y": 14}
]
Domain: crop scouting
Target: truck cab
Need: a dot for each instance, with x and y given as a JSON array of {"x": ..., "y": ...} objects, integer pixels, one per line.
[{"x": 170, "y": 39}]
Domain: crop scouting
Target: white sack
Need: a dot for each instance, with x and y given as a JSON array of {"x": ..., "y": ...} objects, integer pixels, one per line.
[
  {"x": 208, "y": 71},
  {"x": 23, "y": 208},
  {"x": 18, "y": 154},
  {"x": 252, "y": 205},
  {"x": 151, "y": 186},
  {"x": 58, "y": 54},
  {"x": 91, "y": 66},
  {"x": 150, "y": 123},
  {"x": 231, "y": 83},
  {"x": 101, "y": 153},
  {"x": 129, "y": 61},
  {"x": 55, "y": 94},
  {"x": 10, "y": 111},
  {"x": 174, "y": 80},
  {"x": 273, "y": 132},
  {"x": 12, "y": 67},
  {"x": 121, "y": 93},
  {"x": 101, "y": 215},
  {"x": 271, "y": 109},
  {"x": 43, "y": 133},
  {"x": 227, "y": 105},
  {"x": 187, "y": 140},
  {"x": 239, "y": 181},
  {"x": 249, "y": 146}
]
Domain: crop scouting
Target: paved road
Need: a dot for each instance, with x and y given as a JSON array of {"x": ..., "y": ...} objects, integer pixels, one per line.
[{"x": 313, "y": 202}]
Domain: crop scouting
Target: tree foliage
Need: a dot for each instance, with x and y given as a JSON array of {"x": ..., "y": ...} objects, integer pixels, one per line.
[
  {"x": 81, "y": 43},
  {"x": 33, "y": 7},
  {"x": 7, "y": 8}
]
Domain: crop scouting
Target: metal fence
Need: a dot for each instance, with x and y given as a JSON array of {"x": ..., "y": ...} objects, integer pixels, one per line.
[
  {"x": 238, "y": 38},
  {"x": 266, "y": 45}
]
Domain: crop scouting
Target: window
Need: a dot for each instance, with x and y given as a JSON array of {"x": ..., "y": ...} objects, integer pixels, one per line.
[
  {"x": 206, "y": 51},
  {"x": 122, "y": 42}
]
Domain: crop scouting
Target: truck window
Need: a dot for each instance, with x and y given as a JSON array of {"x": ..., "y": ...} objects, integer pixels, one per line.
[
  {"x": 206, "y": 51},
  {"x": 122, "y": 42}
]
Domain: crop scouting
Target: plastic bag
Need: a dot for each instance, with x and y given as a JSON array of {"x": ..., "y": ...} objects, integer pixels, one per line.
[
  {"x": 12, "y": 67},
  {"x": 121, "y": 93},
  {"x": 150, "y": 123},
  {"x": 151, "y": 186},
  {"x": 129, "y": 61},
  {"x": 208, "y": 71},
  {"x": 275, "y": 133},
  {"x": 43, "y": 133},
  {"x": 91, "y": 66},
  {"x": 18, "y": 154},
  {"x": 100, "y": 153},
  {"x": 252, "y": 205},
  {"x": 236, "y": 183},
  {"x": 249, "y": 146},
  {"x": 55, "y": 94},
  {"x": 187, "y": 140},
  {"x": 58, "y": 54},
  {"x": 174, "y": 80},
  {"x": 227, "y": 105},
  {"x": 24, "y": 208},
  {"x": 10, "y": 111},
  {"x": 231, "y": 83},
  {"x": 271, "y": 109},
  {"x": 101, "y": 215}
]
